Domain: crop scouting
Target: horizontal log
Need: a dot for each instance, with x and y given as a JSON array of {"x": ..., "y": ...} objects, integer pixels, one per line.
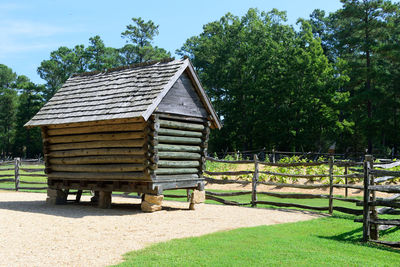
[
  {"x": 293, "y": 195},
  {"x": 292, "y": 205},
  {"x": 181, "y": 125},
  {"x": 379, "y": 173},
  {"x": 348, "y": 210},
  {"x": 385, "y": 221},
  {"x": 178, "y": 140},
  {"x": 32, "y": 175},
  {"x": 26, "y": 182},
  {"x": 387, "y": 166},
  {"x": 6, "y": 175},
  {"x": 359, "y": 187},
  {"x": 352, "y": 200},
  {"x": 232, "y": 173},
  {"x": 178, "y": 155},
  {"x": 220, "y": 181},
  {"x": 94, "y": 123},
  {"x": 385, "y": 188},
  {"x": 193, "y": 176},
  {"x": 126, "y": 127},
  {"x": 391, "y": 198},
  {"x": 2, "y": 163},
  {"x": 98, "y": 168},
  {"x": 98, "y": 144},
  {"x": 96, "y": 152},
  {"x": 94, "y": 137},
  {"x": 175, "y": 196},
  {"x": 230, "y": 194},
  {"x": 173, "y": 132},
  {"x": 98, "y": 160},
  {"x": 293, "y": 164},
  {"x": 7, "y": 180},
  {"x": 32, "y": 188},
  {"x": 99, "y": 176},
  {"x": 176, "y": 171},
  {"x": 230, "y": 161},
  {"x": 384, "y": 179},
  {"x": 388, "y": 210},
  {"x": 6, "y": 169},
  {"x": 387, "y": 243},
  {"x": 178, "y": 164},
  {"x": 356, "y": 170},
  {"x": 178, "y": 148},
  {"x": 385, "y": 203},
  {"x": 181, "y": 118},
  {"x": 294, "y": 175},
  {"x": 32, "y": 170},
  {"x": 8, "y": 189},
  {"x": 224, "y": 201},
  {"x": 303, "y": 186}
]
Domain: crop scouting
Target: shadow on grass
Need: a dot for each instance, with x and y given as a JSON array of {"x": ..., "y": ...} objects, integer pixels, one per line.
[{"x": 355, "y": 237}]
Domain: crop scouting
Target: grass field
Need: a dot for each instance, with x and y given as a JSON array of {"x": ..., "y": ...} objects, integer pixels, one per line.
[{"x": 330, "y": 241}]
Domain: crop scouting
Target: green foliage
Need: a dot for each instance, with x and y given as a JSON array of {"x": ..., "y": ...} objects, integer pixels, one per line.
[
  {"x": 97, "y": 56},
  {"x": 272, "y": 86}
]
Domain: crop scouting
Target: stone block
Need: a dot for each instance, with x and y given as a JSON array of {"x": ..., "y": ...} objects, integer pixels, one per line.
[
  {"x": 149, "y": 207},
  {"x": 198, "y": 197},
  {"x": 154, "y": 199}
]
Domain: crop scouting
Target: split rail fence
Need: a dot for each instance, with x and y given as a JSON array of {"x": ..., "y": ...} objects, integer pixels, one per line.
[
  {"x": 255, "y": 181},
  {"x": 374, "y": 176},
  {"x": 18, "y": 172}
]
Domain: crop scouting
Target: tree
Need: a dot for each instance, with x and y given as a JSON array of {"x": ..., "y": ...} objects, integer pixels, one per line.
[
  {"x": 28, "y": 142},
  {"x": 8, "y": 102},
  {"x": 271, "y": 86},
  {"x": 141, "y": 35}
]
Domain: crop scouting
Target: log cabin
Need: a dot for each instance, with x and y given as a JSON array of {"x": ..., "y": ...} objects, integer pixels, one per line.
[{"x": 142, "y": 128}]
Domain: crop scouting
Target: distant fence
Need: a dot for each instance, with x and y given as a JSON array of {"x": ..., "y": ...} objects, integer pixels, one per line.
[
  {"x": 255, "y": 182},
  {"x": 18, "y": 172}
]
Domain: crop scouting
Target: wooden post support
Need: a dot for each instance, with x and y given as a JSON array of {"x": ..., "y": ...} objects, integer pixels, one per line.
[
  {"x": 331, "y": 160},
  {"x": 373, "y": 228},
  {"x": 254, "y": 183},
  {"x": 346, "y": 190},
  {"x": 366, "y": 215},
  {"x": 105, "y": 199},
  {"x": 17, "y": 163}
]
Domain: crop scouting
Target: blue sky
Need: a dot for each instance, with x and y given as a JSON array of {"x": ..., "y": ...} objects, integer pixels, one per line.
[{"x": 30, "y": 30}]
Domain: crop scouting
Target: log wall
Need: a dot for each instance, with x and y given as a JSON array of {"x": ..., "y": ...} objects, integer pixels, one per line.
[
  {"x": 181, "y": 147},
  {"x": 108, "y": 151}
]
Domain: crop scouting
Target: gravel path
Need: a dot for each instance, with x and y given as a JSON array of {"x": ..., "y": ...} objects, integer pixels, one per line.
[{"x": 36, "y": 234}]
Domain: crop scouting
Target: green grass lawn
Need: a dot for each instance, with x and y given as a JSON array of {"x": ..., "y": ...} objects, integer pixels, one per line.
[{"x": 331, "y": 241}]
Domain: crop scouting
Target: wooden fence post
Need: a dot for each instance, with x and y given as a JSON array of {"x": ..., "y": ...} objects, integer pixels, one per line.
[
  {"x": 273, "y": 156},
  {"x": 373, "y": 228},
  {"x": 254, "y": 183},
  {"x": 346, "y": 190},
  {"x": 17, "y": 163},
  {"x": 366, "y": 213},
  {"x": 331, "y": 160}
]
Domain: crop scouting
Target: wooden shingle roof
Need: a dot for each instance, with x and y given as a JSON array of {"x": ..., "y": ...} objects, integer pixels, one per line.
[{"x": 127, "y": 93}]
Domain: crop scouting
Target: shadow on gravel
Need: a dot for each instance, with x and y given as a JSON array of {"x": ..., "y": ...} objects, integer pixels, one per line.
[{"x": 76, "y": 210}]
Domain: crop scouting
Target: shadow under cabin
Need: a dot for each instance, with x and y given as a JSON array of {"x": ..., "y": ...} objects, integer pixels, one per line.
[{"x": 142, "y": 128}]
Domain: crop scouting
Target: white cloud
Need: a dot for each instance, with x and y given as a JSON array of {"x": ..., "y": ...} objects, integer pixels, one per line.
[{"x": 24, "y": 36}]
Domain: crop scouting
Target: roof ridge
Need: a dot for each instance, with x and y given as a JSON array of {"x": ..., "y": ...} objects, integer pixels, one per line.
[{"x": 132, "y": 66}]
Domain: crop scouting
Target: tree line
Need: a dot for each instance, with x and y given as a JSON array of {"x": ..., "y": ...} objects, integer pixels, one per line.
[{"x": 329, "y": 79}]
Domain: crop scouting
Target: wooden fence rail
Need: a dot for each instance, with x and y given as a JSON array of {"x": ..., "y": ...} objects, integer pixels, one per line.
[
  {"x": 19, "y": 173},
  {"x": 371, "y": 222}
]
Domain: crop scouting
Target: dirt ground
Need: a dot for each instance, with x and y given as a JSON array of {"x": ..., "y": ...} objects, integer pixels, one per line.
[{"x": 34, "y": 233}]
